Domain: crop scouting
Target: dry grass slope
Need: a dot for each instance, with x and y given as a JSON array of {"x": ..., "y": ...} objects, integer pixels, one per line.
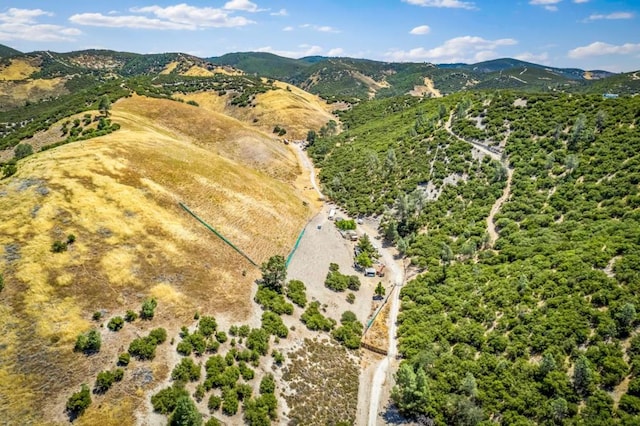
[
  {"x": 289, "y": 107},
  {"x": 118, "y": 195}
]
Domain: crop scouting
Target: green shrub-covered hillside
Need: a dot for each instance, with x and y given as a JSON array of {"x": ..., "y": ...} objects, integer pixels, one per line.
[{"x": 540, "y": 327}]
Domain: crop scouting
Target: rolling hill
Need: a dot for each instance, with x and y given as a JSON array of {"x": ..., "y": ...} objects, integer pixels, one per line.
[
  {"x": 510, "y": 188},
  {"x": 359, "y": 79},
  {"x": 118, "y": 195}
]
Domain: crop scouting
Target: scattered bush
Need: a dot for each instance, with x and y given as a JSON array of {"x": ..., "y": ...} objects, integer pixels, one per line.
[
  {"x": 272, "y": 324},
  {"x": 115, "y": 323},
  {"x": 148, "y": 309},
  {"x": 314, "y": 320},
  {"x": 106, "y": 378},
  {"x": 214, "y": 402},
  {"x": 165, "y": 401},
  {"x": 58, "y": 246},
  {"x": 258, "y": 340},
  {"x": 229, "y": 401},
  {"x": 130, "y": 316},
  {"x": 124, "y": 359},
  {"x": 349, "y": 332},
  {"x": 89, "y": 342},
  {"x": 221, "y": 336},
  {"x": 346, "y": 224},
  {"x": 144, "y": 348},
  {"x": 296, "y": 292},
  {"x": 207, "y": 325},
  {"x": 339, "y": 282},
  {"x": 186, "y": 371},
  {"x": 271, "y": 300},
  {"x": 79, "y": 402},
  {"x": 267, "y": 384},
  {"x": 22, "y": 150}
]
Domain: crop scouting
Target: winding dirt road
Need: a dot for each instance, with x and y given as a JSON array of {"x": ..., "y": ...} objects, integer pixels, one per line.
[{"x": 491, "y": 226}]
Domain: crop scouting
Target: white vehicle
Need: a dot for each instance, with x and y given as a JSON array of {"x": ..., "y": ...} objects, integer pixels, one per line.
[{"x": 332, "y": 214}]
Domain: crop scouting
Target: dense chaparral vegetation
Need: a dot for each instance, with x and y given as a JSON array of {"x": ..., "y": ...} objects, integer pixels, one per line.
[{"x": 542, "y": 326}]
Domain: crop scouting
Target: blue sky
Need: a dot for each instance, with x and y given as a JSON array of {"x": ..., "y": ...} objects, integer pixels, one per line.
[{"x": 588, "y": 34}]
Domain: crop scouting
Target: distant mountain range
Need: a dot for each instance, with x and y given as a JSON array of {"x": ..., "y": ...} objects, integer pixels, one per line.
[{"x": 338, "y": 79}]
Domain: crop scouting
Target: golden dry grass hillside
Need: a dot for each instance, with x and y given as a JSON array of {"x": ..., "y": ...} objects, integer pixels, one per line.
[
  {"x": 16, "y": 87},
  {"x": 17, "y": 69},
  {"x": 118, "y": 194},
  {"x": 287, "y": 106}
]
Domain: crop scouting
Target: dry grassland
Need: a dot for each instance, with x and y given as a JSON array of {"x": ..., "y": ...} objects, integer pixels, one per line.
[
  {"x": 170, "y": 67},
  {"x": 378, "y": 334},
  {"x": 14, "y": 93},
  {"x": 119, "y": 196},
  {"x": 294, "y": 109},
  {"x": 18, "y": 69},
  {"x": 196, "y": 71}
]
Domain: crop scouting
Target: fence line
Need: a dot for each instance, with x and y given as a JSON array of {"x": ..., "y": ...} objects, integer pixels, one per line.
[{"x": 219, "y": 235}]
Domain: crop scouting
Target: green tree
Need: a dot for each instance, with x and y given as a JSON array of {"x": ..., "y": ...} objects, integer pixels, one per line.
[
  {"x": 364, "y": 260},
  {"x": 446, "y": 256},
  {"x": 380, "y": 291},
  {"x": 583, "y": 376},
  {"x": 186, "y": 413},
  {"x": 79, "y": 402},
  {"x": 296, "y": 292},
  {"x": 22, "y": 150},
  {"x": 311, "y": 137},
  {"x": 88, "y": 343},
  {"x": 1, "y": 283},
  {"x": 207, "y": 325},
  {"x": 274, "y": 273},
  {"x": 105, "y": 105},
  {"x": 267, "y": 384},
  {"x": 559, "y": 410},
  {"x": 115, "y": 323},
  {"x": 148, "y": 309}
]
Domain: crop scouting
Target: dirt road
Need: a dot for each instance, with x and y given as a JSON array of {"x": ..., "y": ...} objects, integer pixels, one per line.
[
  {"x": 491, "y": 227},
  {"x": 382, "y": 377},
  {"x": 320, "y": 246}
]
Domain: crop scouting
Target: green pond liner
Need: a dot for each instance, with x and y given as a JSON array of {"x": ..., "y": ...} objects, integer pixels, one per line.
[{"x": 295, "y": 247}]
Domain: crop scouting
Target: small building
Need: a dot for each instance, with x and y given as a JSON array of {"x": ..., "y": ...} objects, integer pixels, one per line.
[
  {"x": 369, "y": 272},
  {"x": 610, "y": 95}
]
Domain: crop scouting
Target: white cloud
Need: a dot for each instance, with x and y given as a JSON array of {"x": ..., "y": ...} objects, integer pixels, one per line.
[
  {"x": 244, "y": 5},
  {"x": 287, "y": 28},
  {"x": 321, "y": 28},
  {"x": 614, "y": 15},
  {"x": 304, "y": 50},
  {"x": 22, "y": 24},
  {"x": 600, "y": 48},
  {"x": 443, "y": 3},
  {"x": 281, "y": 12},
  {"x": 581, "y": 1},
  {"x": 337, "y": 51},
  {"x": 178, "y": 17},
  {"x": 127, "y": 21},
  {"x": 23, "y": 16},
  {"x": 541, "y": 58},
  {"x": 459, "y": 49},
  {"x": 549, "y": 5},
  {"x": 420, "y": 30}
]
